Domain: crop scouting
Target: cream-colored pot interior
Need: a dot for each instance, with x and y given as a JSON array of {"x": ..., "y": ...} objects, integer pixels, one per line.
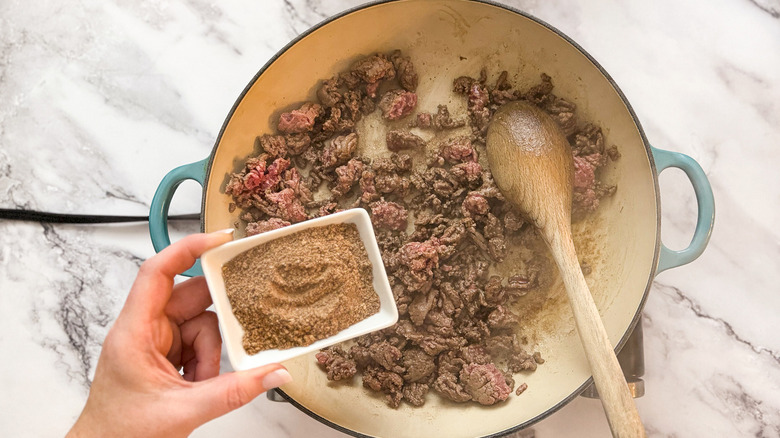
[{"x": 447, "y": 39}]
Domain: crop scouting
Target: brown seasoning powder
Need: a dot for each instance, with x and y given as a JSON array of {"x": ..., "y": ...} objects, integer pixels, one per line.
[{"x": 300, "y": 288}]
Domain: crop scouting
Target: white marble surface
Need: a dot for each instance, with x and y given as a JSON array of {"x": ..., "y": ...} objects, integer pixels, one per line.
[{"x": 99, "y": 99}]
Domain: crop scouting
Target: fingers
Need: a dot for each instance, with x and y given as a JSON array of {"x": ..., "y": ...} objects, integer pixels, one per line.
[
  {"x": 220, "y": 395},
  {"x": 188, "y": 300},
  {"x": 153, "y": 285},
  {"x": 202, "y": 347}
]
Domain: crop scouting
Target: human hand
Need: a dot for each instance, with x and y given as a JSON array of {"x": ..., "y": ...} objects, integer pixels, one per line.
[{"x": 162, "y": 328}]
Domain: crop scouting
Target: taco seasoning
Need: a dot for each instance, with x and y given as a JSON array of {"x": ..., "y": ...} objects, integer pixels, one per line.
[{"x": 300, "y": 288}]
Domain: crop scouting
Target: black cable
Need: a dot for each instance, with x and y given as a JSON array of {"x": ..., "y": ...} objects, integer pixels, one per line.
[{"x": 62, "y": 218}]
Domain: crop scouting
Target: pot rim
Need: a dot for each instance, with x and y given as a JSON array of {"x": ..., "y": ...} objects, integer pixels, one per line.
[{"x": 606, "y": 75}]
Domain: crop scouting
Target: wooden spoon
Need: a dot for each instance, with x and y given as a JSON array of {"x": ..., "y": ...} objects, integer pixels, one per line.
[{"x": 531, "y": 162}]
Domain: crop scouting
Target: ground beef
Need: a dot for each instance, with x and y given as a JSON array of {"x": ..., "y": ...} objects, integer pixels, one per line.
[
  {"x": 475, "y": 205},
  {"x": 458, "y": 149},
  {"x": 404, "y": 69},
  {"x": 287, "y": 205},
  {"x": 449, "y": 387},
  {"x": 484, "y": 383},
  {"x": 418, "y": 365},
  {"x": 371, "y": 70},
  {"x": 439, "y": 121},
  {"x": 339, "y": 150},
  {"x": 254, "y": 228},
  {"x": 274, "y": 145},
  {"x": 300, "y": 120},
  {"x": 457, "y": 334},
  {"x": 337, "y": 363},
  {"x": 346, "y": 177},
  {"x": 396, "y": 104},
  {"x": 415, "y": 393},
  {"x": 389, "y": 215},
  {"x": 398, "y": 140}
]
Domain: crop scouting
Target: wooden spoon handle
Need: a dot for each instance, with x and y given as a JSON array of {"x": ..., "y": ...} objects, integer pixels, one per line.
[{"x": 610, "y": 382}]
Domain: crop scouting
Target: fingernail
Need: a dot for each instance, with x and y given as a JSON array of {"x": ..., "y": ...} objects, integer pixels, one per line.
[
  {"x": 225, "y": 231},
  {"x": 277, "y": 378}
]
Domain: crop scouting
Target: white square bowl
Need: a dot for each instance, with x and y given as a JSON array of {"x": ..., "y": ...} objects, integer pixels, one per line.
[{"x": 232, "y": 331}]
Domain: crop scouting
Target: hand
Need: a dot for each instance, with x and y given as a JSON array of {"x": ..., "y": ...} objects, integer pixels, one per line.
[{"x": 137, "y": 389}]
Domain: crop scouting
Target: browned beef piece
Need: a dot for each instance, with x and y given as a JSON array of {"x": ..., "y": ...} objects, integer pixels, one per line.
[
  {"x": 423, "y": 120},
  {"x": 379, "y": 379},
  {"x": 475, "y": 205},
  {"x": 513, "y": 221},
  {"x": 518, "y": 285},
  {"x": 419, "y": 260},
  {"x": 337, "y": 363},
  {"x": 493, "y": 227},
  {"x": 613, "y": 153},
  {"x": 396, "y": 104},
  {"x": 418, "y": 365},
  {"x": 347, "y": 176},
  {"x": 392, "y": 183},
  {"x": 292, "y": 179},
  {"x": 368, "y": 187},
  {"x": 457, "y": 150},
  {"x": 273, "y": 145},
  {"x": 339, "y": 150},
  {"x": 585, "y": 183},
  {"x": 335, "y": 123},
  {"x": 478, "y": 108},
  {"x": 469, "y": 173},
  {"x": 328, "y": 92},
  {"x": 414, "y": 393},
  {"x": 389, "y": 215},
  {"x": 448, "y": 386},
  {"x": 538, "y": 93},
  {"x": 475, "y": 353},
  {"x": 254, "y": 228},
  {"x": 386, "y": 355},
  {"x": 287, "y": 206},
  {"x": 299, "y": 120},
  {"x": 328, "y": 208},
  {"x": 502, "y": 318},
  {"x": 297, "y": 143},
  {"x": 403, "y": 162},
  {"x": 258, "y": 176},
  {"x": 404, "y": 69},
  {"x": 463, "y": 84},
  {"x": 443, "y": 119},
  {"x": 484, "y": 383},
  {"x": 373, "y": 69},
  {"x": 349, "y": 80},
  {"x": 494, "y": 291},
  {"x": 420, "y": 306},
  {"x": 562, "y": 111},
  {"x": 352, "y": 105},
  {"x": 398, "y": 140}
]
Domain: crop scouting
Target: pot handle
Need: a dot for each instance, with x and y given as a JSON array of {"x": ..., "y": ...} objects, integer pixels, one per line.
[
  {"x": 158, "y": 214},
  {"x": 706, "y": 203}
]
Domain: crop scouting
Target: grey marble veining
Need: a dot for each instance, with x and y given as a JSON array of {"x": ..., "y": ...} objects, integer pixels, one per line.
[{"x": 98, "y": 100}]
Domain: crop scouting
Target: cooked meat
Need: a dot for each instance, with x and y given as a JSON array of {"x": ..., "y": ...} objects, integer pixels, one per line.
[{"x": 457, "y": 332}]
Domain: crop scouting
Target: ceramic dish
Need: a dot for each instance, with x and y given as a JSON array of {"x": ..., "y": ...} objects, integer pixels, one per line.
[{"x": 232, "y": 331}]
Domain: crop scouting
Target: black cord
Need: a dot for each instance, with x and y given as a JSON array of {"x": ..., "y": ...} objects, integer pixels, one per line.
[{"x": 61, "y": 218}]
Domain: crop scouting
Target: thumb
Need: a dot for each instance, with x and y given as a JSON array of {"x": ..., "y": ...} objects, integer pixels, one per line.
[{"x": 218, "y": 396}]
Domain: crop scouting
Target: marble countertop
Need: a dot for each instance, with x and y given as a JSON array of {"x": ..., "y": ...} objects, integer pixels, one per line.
[{"x": 98, "y": 100}]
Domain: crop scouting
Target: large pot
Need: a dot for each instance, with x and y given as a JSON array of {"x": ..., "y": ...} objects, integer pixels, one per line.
[{"x": 446, "y": 39}]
